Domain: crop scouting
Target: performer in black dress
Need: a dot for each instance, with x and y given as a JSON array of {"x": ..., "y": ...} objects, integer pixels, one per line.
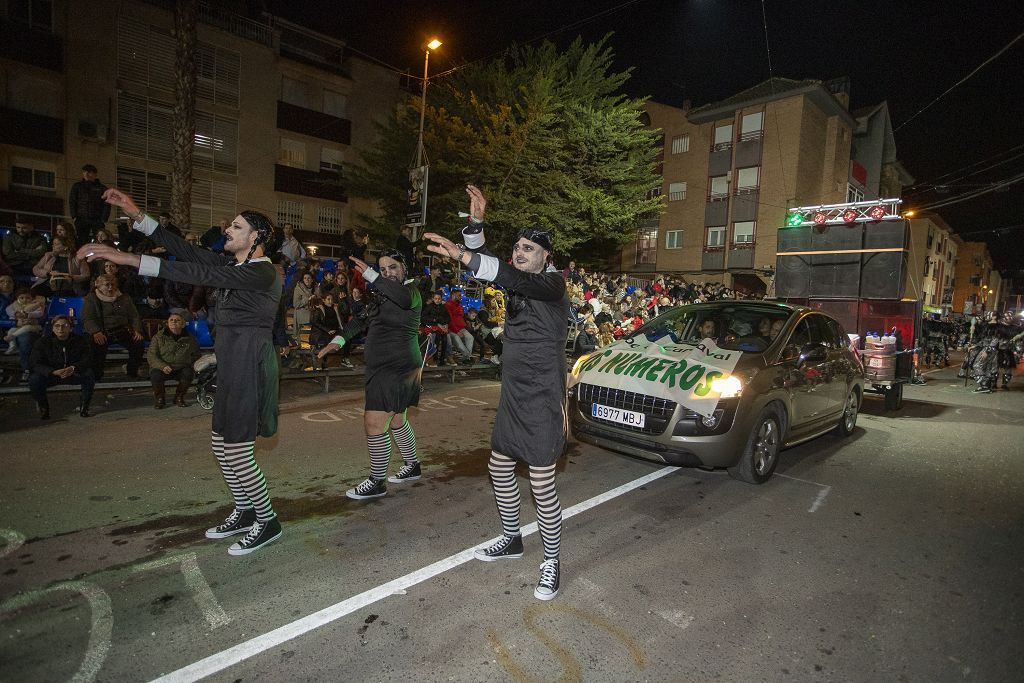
[
  {"x": 248, "y": 290},
  {"x": 391, "y": 321},
  {"x": 530, "y": 425}
]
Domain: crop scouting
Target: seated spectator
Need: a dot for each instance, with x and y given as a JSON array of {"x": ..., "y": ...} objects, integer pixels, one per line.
[
  {"x": 66, "y": 231},
  {"x": 155, "y": 309},
  {"x": 109, "y": 316},
  {"x": 328, "y": 286},
  {"x": 63, "y": 357},
  {"x": 776, "y": 328},
  {"x": 171, "y": 355},
  {"x": 605, "y": 336},
  {"x": 586, "y": 340},
  {"x": 300, "y": 303},
  {"x": 486, "y": 334},
  {"x": 27, "y": 311},
  {"x": 4, "y": 268},
  {"x": 458, "y": 336},
  {"x": 327, "y": 322},
  {"x": 434, "y": 319},
  {"x": 59, "y": 272},
  {"x": 7, "y": 295},
  {"x": 764, "y": 329},
  {"x": 178, "y": 298},
  {"x": 22, "y": 248}
]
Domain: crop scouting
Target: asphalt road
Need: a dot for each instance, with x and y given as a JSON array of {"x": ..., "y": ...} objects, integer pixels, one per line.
[{"x": 895, "y": 554}]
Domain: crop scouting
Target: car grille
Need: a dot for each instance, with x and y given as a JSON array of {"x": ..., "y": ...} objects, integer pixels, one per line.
[{"x": 658, "y": 411}]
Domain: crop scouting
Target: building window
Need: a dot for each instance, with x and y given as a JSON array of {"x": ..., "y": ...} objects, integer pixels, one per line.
[
  {"x": 743, "y": 232},
  {"x": 331, "y": 160},
  {"x": 854, "y": 194},
  {"x": 654, "y": 192},
  {"x": 216, "y": 143},
  {"x": 747, "y": 179},
  {"x": 292, "y": 153},
  {"x": 681, "y": 143},
  {"x": 328, "y": 220},
  {"x": 289, "y": 212},
  {"x": 723, "y": 137},
  {"x": 674, "y": 239},
  {"x": 212, "y": 201},
  {"x": 716, "y": 236},
  {"x": 676, "y": 192},
  {"x": 145, "y": 130},
  {"x": 719, "y": 188},
  {"x": 930, "y": 241},
  {"x": 335, "y": 103},
  {"x": 647, "y": 244},
  {"x": 34, "y": 13},
  {"x": 152, "y": 191},
  {"x": 298, "y": 93},
  {"x": 751, "y": 126},
  {"x": 33, "y": 179}
]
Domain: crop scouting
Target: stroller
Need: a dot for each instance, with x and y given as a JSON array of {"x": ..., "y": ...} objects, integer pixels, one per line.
[{"x": 206, "y": 380}]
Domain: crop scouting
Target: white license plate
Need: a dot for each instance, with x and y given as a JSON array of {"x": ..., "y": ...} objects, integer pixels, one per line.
[{"x": 626, "y": 417}]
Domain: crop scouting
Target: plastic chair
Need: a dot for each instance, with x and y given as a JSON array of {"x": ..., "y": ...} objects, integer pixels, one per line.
[
  {"x": 66, "y": 305},
  {"x": 201, "y": 331},
  {"x": 329, "y": 265}
]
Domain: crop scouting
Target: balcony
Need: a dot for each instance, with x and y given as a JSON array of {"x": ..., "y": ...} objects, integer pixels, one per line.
[
  {"x": 314, "y": 123},
  {"x": 309, "y": 183},
  {"x": 14, "y": 202},
  {"x": 31, "y": 130},
  {"x": 31, "y": 46}
]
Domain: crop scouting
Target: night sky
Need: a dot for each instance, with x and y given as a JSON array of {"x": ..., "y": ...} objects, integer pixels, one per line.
[{"x": 907, "y": 52}]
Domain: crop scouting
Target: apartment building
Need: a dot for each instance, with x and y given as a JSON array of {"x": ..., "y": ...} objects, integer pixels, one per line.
[
  {"x": 280, "y": 111},
  {"x": 931, "y": 263},
  {"x": 973, "y": 276},
  {"x": 730, "y": 169}
]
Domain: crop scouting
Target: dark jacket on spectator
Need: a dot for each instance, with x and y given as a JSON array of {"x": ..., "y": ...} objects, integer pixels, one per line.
[
  {"x": 435, "y": 314},
  {"x": 177, "y": 352},
  {"x": 50, "y": 353},
  {"x": 325, "y": 324},
  {"x": 86, "y": 201},
  {"x": 585, "y": 343},
  {"x": 24, "y": 250},
  {"x": 178, "y": 295},
  {"x": 99, "y": 316}
]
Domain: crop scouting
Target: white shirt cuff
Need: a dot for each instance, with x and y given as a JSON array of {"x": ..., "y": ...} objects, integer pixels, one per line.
[
  {"x": 149, "y": 266},
  {"x": 370, "y": 275},
  {"x": 473, "y": 240},
  {"x": 488, "y": 269},
  {"x": 145, "y": 225}
]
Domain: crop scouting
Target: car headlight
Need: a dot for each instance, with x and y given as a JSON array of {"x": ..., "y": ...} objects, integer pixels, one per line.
[{"x": 730, "y": 386}]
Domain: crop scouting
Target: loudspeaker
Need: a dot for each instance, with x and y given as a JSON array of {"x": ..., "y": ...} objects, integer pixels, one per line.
[
  {"x": 835, "y": 275},
  {"x": 882, "y": 275},
  {"x": 792, "y": 275}
]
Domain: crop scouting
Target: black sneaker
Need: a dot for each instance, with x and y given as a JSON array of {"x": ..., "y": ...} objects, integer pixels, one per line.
[
  {"x": 547, "y": 587},
  {"x": 505, "y": 548},
  {"x": 406, "y": 473},
  {"x": 259, "y": 535},
  {"x": 238, "y": 522},
  {"x": 370, "y": 488}
]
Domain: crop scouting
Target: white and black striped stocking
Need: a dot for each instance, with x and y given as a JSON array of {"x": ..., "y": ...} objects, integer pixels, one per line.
[
  {"x": 549, "y": 509},
  {"x": 237, "y": 459},
  {"x": 506, "y": 491},
  {"x": 405, "y": 439},
  {"x": 379, "y": 446}
]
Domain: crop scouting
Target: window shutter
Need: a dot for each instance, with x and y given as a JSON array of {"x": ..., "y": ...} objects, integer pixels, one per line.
[{"x": 131, "y": 126}]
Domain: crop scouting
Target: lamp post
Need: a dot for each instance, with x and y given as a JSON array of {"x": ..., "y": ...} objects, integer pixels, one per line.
[{"x": 418, "y": 168}]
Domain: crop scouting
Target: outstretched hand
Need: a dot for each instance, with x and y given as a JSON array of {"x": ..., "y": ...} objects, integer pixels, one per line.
[
  {"x": 122, "y": 200},
  {"x": 441, "y": 246},
  {"x": 477, "y": 203},
  {"x": 96, "y": 250},
  {"x": 360, "y": 265}
]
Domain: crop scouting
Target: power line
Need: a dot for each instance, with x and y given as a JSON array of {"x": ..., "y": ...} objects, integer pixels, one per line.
[
  {"x": 935, "y": 182},
  {"x": 973, "y": 194},
  {"x": 960, "y": 82}
]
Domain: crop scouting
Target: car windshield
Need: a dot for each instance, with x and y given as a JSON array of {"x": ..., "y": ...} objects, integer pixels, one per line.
[{"x": 750, "y": 329}]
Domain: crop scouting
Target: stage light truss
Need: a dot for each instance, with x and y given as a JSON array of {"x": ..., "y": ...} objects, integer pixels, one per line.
[{"x": 844, "y": 214}]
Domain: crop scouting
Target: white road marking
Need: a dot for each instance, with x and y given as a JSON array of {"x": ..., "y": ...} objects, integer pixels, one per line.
[
  {"x": 99, "y": 630},
  {"x": 819, "y": 500},
  {"x": 426, "y": 405},
  {"x": 676, "y": 617},
  {"x": 14, "y": 541},
  {"x": 250, "y": 648},
  {"x": 202, "y": 594}
]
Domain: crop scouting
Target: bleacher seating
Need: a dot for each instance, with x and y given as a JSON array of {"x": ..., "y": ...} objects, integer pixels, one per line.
[
  {"x": 67, "y": 305},
  {"x": 201, "y": 331}
]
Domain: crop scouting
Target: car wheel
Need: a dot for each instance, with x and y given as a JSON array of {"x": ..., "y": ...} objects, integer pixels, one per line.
[
  {"x": 759, "y": 458},
  {"x": 848, "y": 420},
  {"x": 894, "y": 397}
]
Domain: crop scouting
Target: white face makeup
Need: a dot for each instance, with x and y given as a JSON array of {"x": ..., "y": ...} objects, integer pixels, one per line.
[
  {"x": 239, "y": 237},
  {"x": 391, "y": 269},
  {"x": 528, "y": 257}
]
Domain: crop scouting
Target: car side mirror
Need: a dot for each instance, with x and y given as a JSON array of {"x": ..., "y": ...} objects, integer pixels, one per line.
[
  {"x": 813, "y": 353},
  {"x": 790, "y": 354}
]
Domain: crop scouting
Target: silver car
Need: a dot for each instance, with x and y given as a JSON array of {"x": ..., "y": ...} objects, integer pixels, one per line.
[{"x": 722, "y": 384}]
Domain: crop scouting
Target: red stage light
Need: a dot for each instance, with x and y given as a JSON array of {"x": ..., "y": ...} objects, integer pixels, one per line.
[
  {"x": 877, "y": 213},
  {"x": 850, "y": 215},
  {"x": 820, "y": 217}
]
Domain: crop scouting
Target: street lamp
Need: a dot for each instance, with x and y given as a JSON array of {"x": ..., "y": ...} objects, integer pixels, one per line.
[{"x": 432, "y": 45}]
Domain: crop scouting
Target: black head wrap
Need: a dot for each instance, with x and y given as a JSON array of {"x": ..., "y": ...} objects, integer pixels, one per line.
[
  {"x": 393, "y": 254},
  {"x": 264, "y": 231},
  {"x": 538, "y": 236}
]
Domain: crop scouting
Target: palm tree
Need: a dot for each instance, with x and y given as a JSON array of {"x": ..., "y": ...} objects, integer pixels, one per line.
[{"x": 184, "y": 123}]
